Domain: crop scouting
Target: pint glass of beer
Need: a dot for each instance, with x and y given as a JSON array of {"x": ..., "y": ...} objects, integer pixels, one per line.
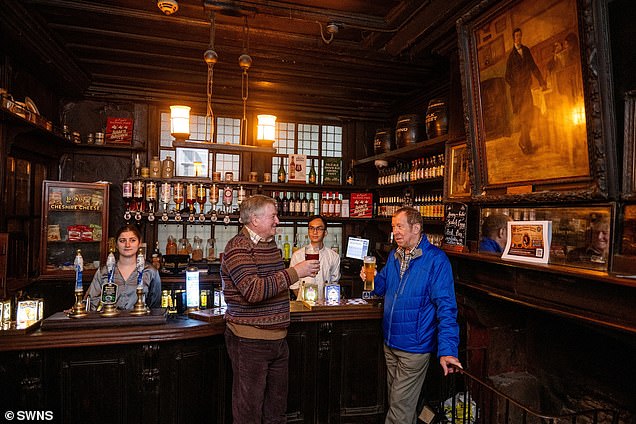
[{"x": 369, "y": 272}]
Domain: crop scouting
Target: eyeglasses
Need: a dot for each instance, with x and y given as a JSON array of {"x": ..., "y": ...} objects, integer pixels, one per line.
[{"x": 317, "y": 229}]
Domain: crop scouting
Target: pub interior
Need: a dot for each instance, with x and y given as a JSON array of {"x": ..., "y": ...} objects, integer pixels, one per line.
[{"x": 350, "y": 109}]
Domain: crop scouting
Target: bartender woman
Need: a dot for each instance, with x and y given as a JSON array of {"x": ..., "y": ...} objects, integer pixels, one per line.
[{"x": 128, "y": 240}]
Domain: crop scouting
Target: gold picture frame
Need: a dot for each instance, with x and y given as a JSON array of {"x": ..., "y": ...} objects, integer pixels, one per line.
[{"x": 537, "y": 100}]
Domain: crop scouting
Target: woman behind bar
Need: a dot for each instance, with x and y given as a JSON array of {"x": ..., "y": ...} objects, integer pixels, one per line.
[{"x": 128, "y": 239}]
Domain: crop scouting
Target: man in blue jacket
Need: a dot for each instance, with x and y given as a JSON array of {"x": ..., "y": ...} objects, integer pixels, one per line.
[{"x": 420, "y": 314}]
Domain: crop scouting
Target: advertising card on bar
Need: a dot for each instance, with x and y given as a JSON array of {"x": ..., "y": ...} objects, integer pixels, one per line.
[{"x": 528, "y": 241}]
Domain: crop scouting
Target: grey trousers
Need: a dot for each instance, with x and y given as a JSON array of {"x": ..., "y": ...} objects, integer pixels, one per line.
[{"x": 405, "y": 375}]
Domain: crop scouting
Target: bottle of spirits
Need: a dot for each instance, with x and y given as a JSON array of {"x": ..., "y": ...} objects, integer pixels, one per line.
[
  {"x": 285, "y": 202},
  {"x": 298, "y": 205},
  {"x": 335, "y": 246},
  {"x": 338, "y": 205},
  {"x": 286, "y": 248},
  {"x": 137, "y": 166},
  {"x": 304, "y": 205},
  {"x": 349, "y": 178},
  {"x": 292, "y": 169},
  {"x": 282, "y": 175},
  {"x": 312, "y": 173}
]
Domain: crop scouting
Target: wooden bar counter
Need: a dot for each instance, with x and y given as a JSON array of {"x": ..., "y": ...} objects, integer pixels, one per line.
[{"x": 179, "y": 372}]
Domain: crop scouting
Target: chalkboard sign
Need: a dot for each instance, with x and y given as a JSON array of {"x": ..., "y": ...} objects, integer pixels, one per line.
[
  {"x": 331, "y": 171},
  {"x": 455, "y": 215}
]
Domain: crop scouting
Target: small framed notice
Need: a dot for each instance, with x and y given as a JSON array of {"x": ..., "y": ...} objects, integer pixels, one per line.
[
  {"x": 297, "y": 169},
  {"x": 119, "y": 130},
  {"x": 455, "y": 215},
  {"x": 361, "y": 205},
  {"x": 528, "y": 241},
  {"x": 331, "y": 170}
]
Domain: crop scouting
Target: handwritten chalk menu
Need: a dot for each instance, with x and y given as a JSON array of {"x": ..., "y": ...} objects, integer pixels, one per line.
[
  {"x": 119, "y": 130},
  {"x": 331, "y": 170},
  {"x": 455, "y": 215}
]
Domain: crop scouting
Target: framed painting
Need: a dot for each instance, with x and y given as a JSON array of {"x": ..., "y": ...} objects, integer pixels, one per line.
[
  {"x": 458, "y": 180},
  {"x": 537, "y": 99}
]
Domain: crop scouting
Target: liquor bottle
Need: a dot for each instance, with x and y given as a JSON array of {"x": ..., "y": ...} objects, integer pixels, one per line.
[
  {"x": 285, "y": 203},
  {"x": 191, "y": 196},
  {"x": 331, "y": 204},
  {"x": 338, "y": 208},
  {"x": 151, "y": 198},
  {"x": 310, "y": 204},
  {"x": 282, "y": 175},
  {"x": 201, "y": 197},
  {"x": 349, "y": 179},
  {"x": 177, "y": 195},
  {"x": 228, "y": 198},
  {"x": 335, "y": 246},
  {"x": 292, "y": 205},
  {"x": 324, "y": 205},
  {"x": 312, "y": 173},
  {"x": 292, "y": 169},
  {"x": 286, "y": 248},
  {"x": 171, "y": 246},
  {"x": 165, "y": 195},
  {"x": 137, "y": 166},
  {"x": 304, "y": 205},
  {"x": 138, "y": 195},
  {"x": 298, "y": 205},
  {"x": 156, "y": 256},
  {"x": 279, "y": 203},
  {"x": 127, "y": 193}
]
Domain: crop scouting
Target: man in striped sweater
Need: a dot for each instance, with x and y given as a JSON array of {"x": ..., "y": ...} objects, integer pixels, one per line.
[{"x": 256, "y": 289}]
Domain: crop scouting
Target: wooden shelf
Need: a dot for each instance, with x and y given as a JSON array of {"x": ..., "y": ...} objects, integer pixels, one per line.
[
  {"x": 271, "y": 186},
  {"x": 223, "y": 148},
  {"x": 429, "y": 181},
  {"x": 434, "y": 145}
]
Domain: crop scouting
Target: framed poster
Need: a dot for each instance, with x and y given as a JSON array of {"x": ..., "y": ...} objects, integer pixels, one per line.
[
  {"x": 297, "y": 169},
  {"x": 119, "y": 130},
  {"x": 331, "y": 170},
  {"x": 537, "y": 98},
  {"x": 457, "y": 180}
]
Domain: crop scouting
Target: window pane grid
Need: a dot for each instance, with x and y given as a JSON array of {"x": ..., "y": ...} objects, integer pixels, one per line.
[
  {"x": 331, "y": 141},
  {"x": 228, "y": 162},
  {"x": 228, "y": 130}
]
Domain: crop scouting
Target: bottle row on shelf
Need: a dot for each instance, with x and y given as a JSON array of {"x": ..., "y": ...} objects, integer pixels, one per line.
[
  {"x": 429, "y": 206},
  {"x": 177, "y": 200},
  {"x": 419, "y": 169},
  {"x": 330, "y": 204}
]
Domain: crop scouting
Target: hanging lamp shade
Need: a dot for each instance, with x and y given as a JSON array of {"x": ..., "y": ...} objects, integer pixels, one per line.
[
  {"x": 266, "y": 133},
  {"x": 180, "y": 122}
]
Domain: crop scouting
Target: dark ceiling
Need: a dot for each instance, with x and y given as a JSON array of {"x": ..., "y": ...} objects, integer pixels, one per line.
[{"x": 383, "y": 52}]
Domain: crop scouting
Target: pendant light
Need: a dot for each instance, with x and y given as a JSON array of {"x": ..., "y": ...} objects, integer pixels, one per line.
[
  {"x": 210, "y": 57},
  {"x": 245, "y": 61}
]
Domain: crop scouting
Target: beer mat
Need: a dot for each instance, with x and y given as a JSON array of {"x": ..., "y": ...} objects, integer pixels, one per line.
[
  {"x": 61, "y": 321},
  {"x": 345, "y": 304},
  {"x": 209, "y": 315},
  {"x": 12, "y": 328}
]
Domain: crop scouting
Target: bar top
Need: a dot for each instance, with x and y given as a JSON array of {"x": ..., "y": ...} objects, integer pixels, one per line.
[{"x": 205, "y": 323}]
